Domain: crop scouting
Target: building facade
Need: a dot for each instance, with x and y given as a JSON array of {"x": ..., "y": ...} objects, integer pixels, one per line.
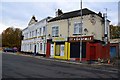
[
  {"x": 65, "y": 37},
  {"x": 34, "y": 36},
  {"x": 65, "y": 33}
]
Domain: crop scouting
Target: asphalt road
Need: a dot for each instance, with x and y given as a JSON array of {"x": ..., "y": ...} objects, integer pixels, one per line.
[{"x": 15, "y": 66}]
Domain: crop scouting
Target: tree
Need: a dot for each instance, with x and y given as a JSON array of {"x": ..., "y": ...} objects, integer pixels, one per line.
[
  {"x": 114, "y": 32},
  {"x": 11, "y": 37},
  {"x": 0, "y": 40}
]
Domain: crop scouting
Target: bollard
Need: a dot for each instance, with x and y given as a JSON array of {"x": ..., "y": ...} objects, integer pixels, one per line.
[{"x": 109, "y": 61}]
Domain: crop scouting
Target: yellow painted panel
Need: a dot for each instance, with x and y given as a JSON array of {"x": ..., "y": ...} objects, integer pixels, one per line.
[
  {"x": 68, "y": 51},
  {"x": 60, "y": 57},
  {"x": 65, "y": 51},
  {"x": 54, "y": 49}
]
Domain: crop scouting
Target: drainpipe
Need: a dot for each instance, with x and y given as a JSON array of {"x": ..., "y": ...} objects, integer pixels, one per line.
[{"x": 68, "y": 27}]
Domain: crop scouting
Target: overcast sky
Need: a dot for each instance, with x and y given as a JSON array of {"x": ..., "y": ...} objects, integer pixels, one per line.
[{"x": 17, "y": 14}]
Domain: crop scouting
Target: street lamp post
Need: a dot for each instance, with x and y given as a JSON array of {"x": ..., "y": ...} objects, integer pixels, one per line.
[
  {"x": 81, "y": 34},
  {"x": 106, "y": 27}
]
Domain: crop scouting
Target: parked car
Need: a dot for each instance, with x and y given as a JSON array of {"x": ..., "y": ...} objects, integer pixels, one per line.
[
  {"x": 9, "y": 50},
  {"x": 15, "y": 49}
]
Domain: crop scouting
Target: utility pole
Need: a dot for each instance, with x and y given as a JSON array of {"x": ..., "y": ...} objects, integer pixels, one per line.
[
  {"x": 68, "y": 32},
  {"x": 81, "y": 33},
  {"x": 106, "y": 27}
]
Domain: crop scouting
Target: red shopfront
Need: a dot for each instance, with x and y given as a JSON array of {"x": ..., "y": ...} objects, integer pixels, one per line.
[
  {"x": 97, "y": 51},
  {"x": 91, "y": 50}
]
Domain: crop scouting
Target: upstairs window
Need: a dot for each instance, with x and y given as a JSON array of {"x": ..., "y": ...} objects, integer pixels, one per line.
[
  {"x": 55, "y": 31},
  {"x": 30, "y": 46},
  {"x": 36, "y": 32},
  {"x": 77, "y": 28},
  {"x": 32, "y": 33},
  {"x": 41, "y": 46},
  {"x": 40, "y": 31},
  {"x": 44, "y": 30},
  {"x": 26, "y": 35}
]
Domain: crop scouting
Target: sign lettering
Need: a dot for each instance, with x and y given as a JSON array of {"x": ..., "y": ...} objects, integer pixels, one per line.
[
  {"x": 77, "y": 39},
  {"x": 59, "y": 39}
]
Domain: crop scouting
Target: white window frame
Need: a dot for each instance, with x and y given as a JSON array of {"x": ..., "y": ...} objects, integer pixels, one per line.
[
  {"x": 55, "y": 31},
  {"x": 27, "y": 36},
  {"x": 44, "y": 29},
  {"x": 41, "y": 46},
  {"x": 40, "y": 30},
  {"x": 30, "y": 46},
  {"x": 36, "y": 32},
  {"x": 32, "y": 33},
  {"x": 77, "y": 28}
]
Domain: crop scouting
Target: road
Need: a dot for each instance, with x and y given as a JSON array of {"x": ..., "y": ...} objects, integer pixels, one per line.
[{"x": 16, "y": 66}]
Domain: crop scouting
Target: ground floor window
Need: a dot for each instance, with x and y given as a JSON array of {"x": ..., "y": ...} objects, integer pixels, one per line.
[
  {"x": 62, "y": 50},
  {"x": 40, "y": 46},
  {"x": 30, "y": 47},
  {"x": 44, "y": 47},
  {"x": 75, "y": 50},
  {"x": 59, "y": 49}
]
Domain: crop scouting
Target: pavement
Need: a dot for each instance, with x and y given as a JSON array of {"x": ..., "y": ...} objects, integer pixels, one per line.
[{"x": 15, "y": 65}]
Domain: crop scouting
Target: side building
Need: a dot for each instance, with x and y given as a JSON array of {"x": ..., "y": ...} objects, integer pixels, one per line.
[
  {"x": 65, "y": 33},
  {"x": 34, "y": 36}
]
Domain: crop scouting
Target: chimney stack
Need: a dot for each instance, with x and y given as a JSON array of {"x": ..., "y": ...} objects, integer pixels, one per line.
[
  {"x": 100, "y": 14},
  {"x": 58, "y": 12}
]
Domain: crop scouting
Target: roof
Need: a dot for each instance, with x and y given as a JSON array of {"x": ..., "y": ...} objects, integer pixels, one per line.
[
  {"x": 38, "y": 22},
  {"x": 72, "y": 14},
  {"x": 25, "y": 28},
  {"x": 45, "y": 19},
  {"x": 32, "y": 21}
]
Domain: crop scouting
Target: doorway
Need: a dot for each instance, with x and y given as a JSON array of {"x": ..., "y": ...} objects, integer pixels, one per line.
[{"x": 35, "y": 49}]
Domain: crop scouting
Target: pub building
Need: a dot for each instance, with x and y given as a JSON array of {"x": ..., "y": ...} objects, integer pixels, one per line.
[
  {"x": 64, "y": 42},
  {"x": 70, "y": 49}
]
